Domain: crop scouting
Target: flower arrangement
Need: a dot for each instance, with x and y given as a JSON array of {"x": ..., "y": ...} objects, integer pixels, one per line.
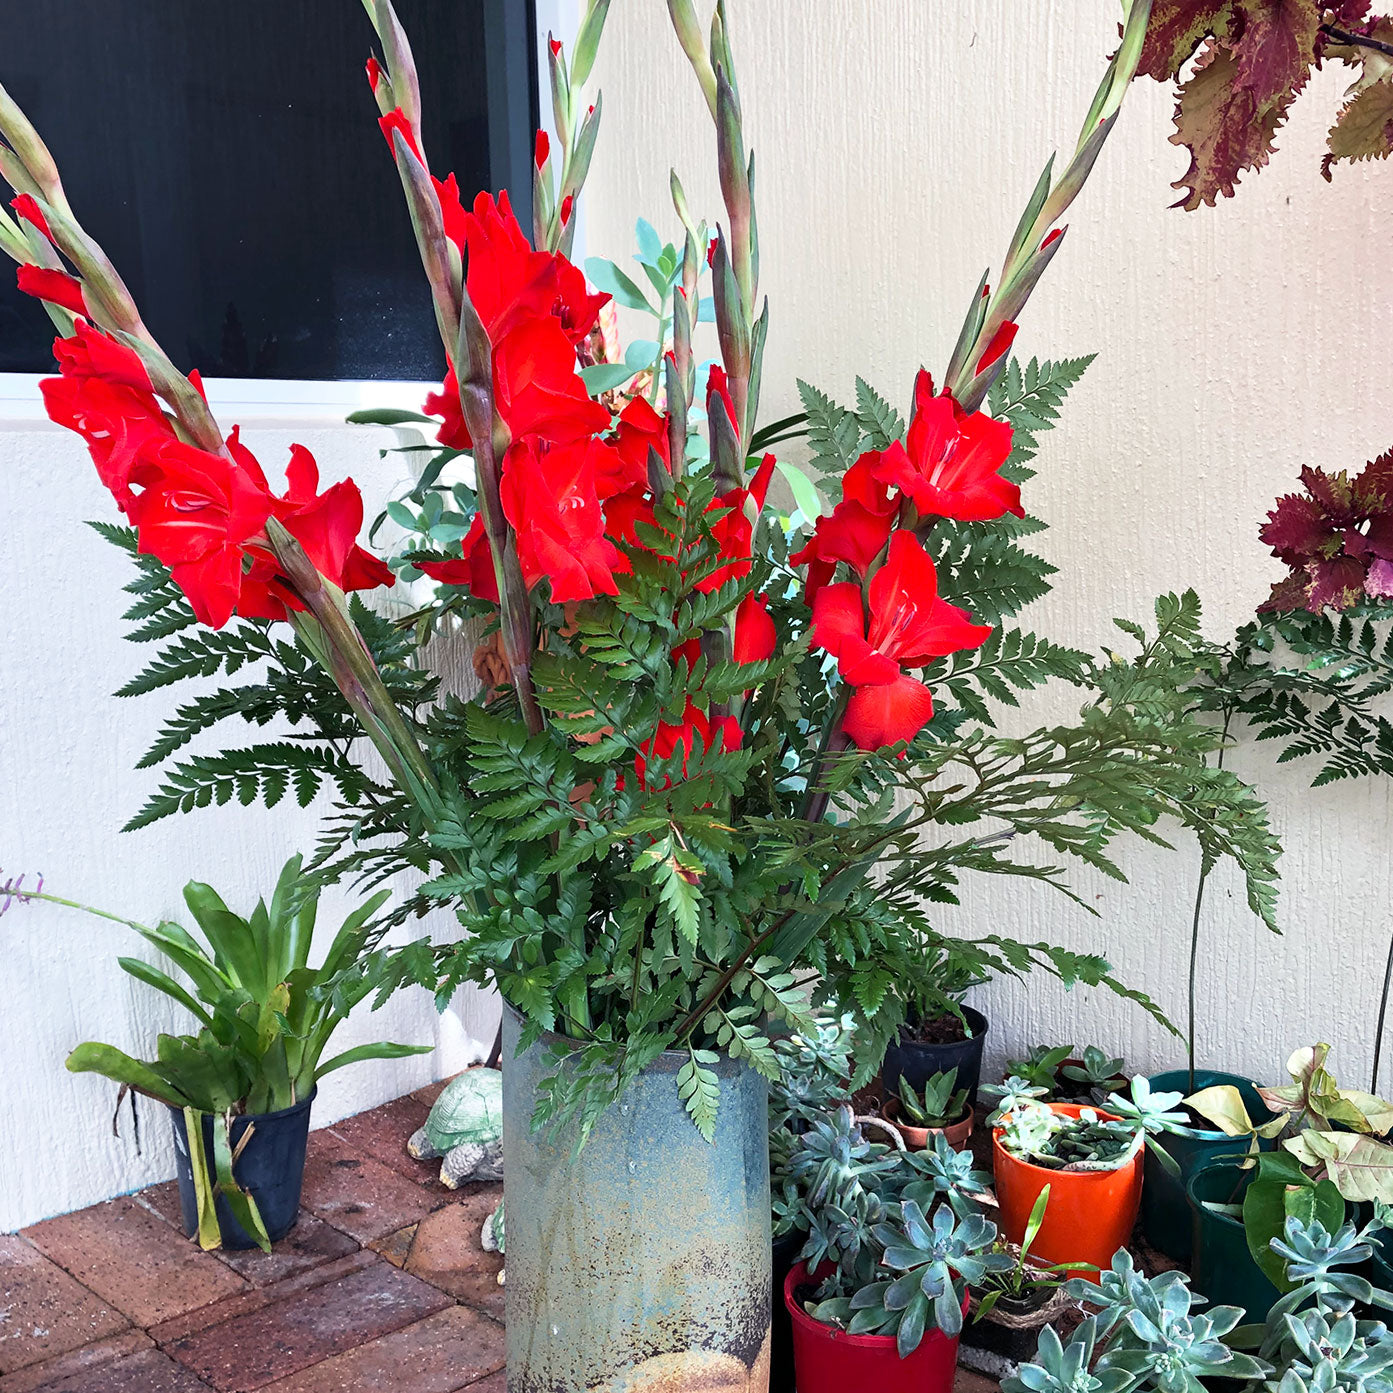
[{"x": 726, "y": 754}]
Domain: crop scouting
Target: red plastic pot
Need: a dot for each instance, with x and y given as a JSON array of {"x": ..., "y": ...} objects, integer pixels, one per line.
[
  {"x": 1090, "y": 1214},
  {"x": 828, "y": 1360}
]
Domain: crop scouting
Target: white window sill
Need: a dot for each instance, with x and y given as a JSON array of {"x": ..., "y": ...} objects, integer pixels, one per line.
[{"x": 236, "y": 399}]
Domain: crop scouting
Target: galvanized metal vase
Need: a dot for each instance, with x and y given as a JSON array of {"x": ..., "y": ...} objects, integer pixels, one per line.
[{"x": 642, "y": 1266}]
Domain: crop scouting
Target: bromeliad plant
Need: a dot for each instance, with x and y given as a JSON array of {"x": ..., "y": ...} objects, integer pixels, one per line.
[
  {"x": 265, "y": 1018},
  {"x": 708, "y": 765}
]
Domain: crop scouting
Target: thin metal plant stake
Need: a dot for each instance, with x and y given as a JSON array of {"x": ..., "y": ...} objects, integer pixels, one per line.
[{"x": 1382, "y": 1015}]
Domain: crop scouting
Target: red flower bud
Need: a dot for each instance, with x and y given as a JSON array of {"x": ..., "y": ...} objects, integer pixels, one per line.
[
  {"x": 543, "y": 148},
  {"x": 395, "y": 120},
  {"x": 566, "y": 204},
  {"x": 1053, "y": 237},
  {"x": 711, "y": 252},
  {"x": 997, "y": 348},
  {"x": 374, "y": 71},
  {"x": 555, "y": 47},
  {"x": 28, "y": 209}
]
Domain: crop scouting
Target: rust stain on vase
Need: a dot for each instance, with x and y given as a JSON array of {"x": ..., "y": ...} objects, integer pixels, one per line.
[{"x": 643, "y": 1265}]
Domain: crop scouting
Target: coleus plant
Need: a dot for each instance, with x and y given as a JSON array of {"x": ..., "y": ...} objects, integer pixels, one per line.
[
  {"x": 707, "y": 769},
  {"x": 1251, "y": 59}
]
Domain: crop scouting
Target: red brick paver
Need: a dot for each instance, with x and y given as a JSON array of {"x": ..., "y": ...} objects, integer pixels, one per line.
[
  {"x": 381, "y": 1285},
  {"x": 359, "y": 1196},
  {"x": 128, "y": 1256},
  {"x": 43, "y": 1311},
  {"x": 440, "y": 1354},
  {"x": 283, "y": 1337}
]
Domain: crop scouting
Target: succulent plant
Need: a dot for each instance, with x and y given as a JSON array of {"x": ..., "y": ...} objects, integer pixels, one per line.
[
  {"x": 1095, "y": 1070},
  {"x": 938, "y": 1259},
  {"x": 1040, "y": 1068},
  {"x": 1011, "y": 1093},
  {"x": 941, "y": 1104},
  {"x": 940, "y": 1172}
]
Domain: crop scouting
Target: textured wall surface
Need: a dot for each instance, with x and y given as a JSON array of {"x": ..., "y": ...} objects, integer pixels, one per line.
[
  {"x": 896, "y": 143},
  {"x": 68, "y": 782}
]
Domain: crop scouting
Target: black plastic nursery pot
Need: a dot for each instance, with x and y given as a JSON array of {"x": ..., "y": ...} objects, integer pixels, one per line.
[
  {"x": 786, "y": 1249},
  {"x": 1012, "y": 1328},
  {"x": 271, "y": 1168},
  {"x": 919, "y": 1060},
  {"x": 1222, "y": 1267}
]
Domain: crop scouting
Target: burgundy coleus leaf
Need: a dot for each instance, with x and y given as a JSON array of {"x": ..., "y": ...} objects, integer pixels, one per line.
[
  {"x": 1224, "y": 127},
  {"x": 1378, "y": 582},
  {"x": 1288, "y": 594},
  {"x": 1297, "y": 528},
  {"x": 1372, "y": 488},
  {"x": 1335, "y": 584},
  {"x": 1333, "y": 493},
  {"x": 1276, "y": 47},
  {"x": 1176, "y": 29},
  {"x": 1363, "y": 129}
]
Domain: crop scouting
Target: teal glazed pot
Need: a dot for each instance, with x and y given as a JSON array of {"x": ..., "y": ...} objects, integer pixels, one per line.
[
  {"x": 1222, "y": 1268},
  {"x": 1165, "y": 1212},
  {"x": 643, "y": 1264}
]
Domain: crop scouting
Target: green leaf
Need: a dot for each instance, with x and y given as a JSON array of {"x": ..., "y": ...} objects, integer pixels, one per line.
[
  {"x": 700, "y": 1091},
  {"x": 602, "y": 377},
  {"x": 605, "y": 275},
  {"x": 389, "y": 416}
]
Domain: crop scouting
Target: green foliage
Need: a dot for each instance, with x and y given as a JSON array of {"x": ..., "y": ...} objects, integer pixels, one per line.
[
  {"x": 264, "y": 1017},
  {"x": 940, "y": 1103},
  {"x": 1310, "y": 682}
]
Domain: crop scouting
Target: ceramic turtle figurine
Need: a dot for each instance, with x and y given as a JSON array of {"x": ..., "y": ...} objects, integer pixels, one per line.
[
  {"x": 465, "y": 1127},
  {"x": 492, "y": 1238}
]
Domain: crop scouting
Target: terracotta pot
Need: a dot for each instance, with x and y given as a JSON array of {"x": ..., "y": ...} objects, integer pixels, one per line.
[
  {"x": 917, "y": 1138},
  {"x": 1090, "y": 1214},
  {"x": 828, "y": 1360}
]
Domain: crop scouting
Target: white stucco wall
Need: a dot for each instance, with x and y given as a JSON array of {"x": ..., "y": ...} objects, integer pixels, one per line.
[
  {"x": 68, "y": 782},
  {"x": 896, "y": 143}
]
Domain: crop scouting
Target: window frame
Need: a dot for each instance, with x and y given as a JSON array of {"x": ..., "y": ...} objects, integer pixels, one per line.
[{"x": 330, "y": 400}]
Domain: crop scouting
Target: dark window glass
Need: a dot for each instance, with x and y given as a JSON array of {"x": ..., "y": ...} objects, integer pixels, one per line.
[{"x": 227, "y": 155}]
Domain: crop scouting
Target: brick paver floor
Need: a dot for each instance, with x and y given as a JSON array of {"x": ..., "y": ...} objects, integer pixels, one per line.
[{"x": 382, "y": 1285}]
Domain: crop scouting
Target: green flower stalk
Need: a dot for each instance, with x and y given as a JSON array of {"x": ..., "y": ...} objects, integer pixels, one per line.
[{"x": 972, "y": 368}]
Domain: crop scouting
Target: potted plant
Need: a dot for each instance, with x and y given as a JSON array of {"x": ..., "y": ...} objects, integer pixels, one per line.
[
  {"x": 895, "y": 1239},
  {"x": 1148, "y": 1335},
  {"x": 942, "y": 1032},
  {"x": 1091, "y": 1159},
  {"x": 1040, "y": 1068},
  {"x": 240, "y": 1088},
  {"x": 1091, "y": 1077},
  {"x": 1010, "y": 1307},
  {"x": 671, "y": 809},
  {"x": 941, "y": 1107},
  {"x": 1329, "y": 1151},
  {"x": 811, "y": 1085}
]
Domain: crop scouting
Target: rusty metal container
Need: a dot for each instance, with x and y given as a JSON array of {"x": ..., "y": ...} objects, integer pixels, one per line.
[{"x": 643, "y": 1264}]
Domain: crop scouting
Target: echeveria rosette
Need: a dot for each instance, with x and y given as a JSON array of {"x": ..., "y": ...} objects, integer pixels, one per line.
[
  {"x": 1337, "y": 537},
  {"x": 937, "y": 1260},
  {"x": 948, "y": 1174}
]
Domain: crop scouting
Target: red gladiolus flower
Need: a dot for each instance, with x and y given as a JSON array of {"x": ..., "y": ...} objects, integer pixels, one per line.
[
  {"x": 908, "y": 627},
  {"x": 395, "y": 120},
  {"x": 374, "y": 71},
  {"x": 855, "y": 531},
  {"x": 722, "y": 734},
  {"x": 57, "y": 287},
  {"x": 543, "y": 149},
  {"x": 104, "y": 395},
  {"x": 734, "y": 532},
  {"x": 453, "y": 432},
  {"x": 26, "y": 206},
  {"x": 555, "y": 45},
  {"x": 196, "y": 512},
  {"x": 948, "y": 464},
  {"x": 755, "y": 637},
  {"x": 549, "y": 497},
  {"x": 566, "y": 205},
  {"x": 639, "y": 429},
  {"x": 474, "y": 570}
]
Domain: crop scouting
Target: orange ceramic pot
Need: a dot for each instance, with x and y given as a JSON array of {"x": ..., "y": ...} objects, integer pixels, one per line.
[
  {"x": 1090, "y": 1214},
  {"x": 917, "y": 1138}
]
